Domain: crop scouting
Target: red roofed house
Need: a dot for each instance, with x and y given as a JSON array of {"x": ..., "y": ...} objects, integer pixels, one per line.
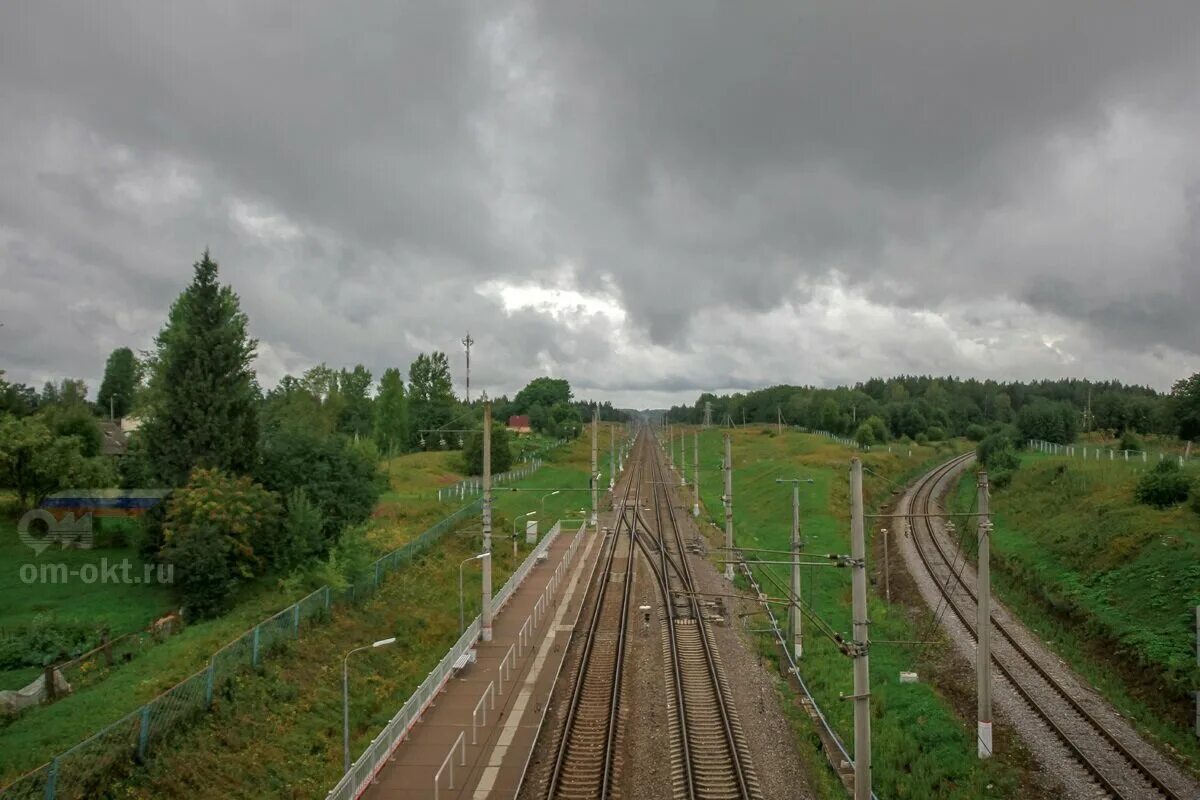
[{"x": 519, "y": 423}]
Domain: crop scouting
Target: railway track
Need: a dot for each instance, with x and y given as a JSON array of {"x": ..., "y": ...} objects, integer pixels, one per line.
[
  {"x": 709, "y": 755},
  {"x": 1116, "y": 771},
  {"x": 588, "y": 758}
]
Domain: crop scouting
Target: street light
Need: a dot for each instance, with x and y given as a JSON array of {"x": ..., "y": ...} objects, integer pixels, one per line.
[
  {"x": 461, "y": 621},
  {"x": 346, "y": 698},
  {"x": 517, "y": 519},
  {"x": 551, "y": 494}
]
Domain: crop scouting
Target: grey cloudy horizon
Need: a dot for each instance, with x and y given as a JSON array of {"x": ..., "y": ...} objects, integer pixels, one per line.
[{"x": 650, "y": 200}]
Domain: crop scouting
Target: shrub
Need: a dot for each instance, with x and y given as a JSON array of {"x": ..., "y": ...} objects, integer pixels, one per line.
[
  {"x": 865, "y": 435},
  {"x": 45, "y": 641},
  {"x": 1163, "y": 486},
  {"x": 976, "y": 432},
  {"x": 240, "y": 510},
  {"x": 997, "y": 454},
  {"x": 935, "y": 433},
  {"x": 501, "y": 452},
  {"x": 1001, "y": 478},
  {"x": 303, "y": 530},
  {"x": 1129, "y": 441},
  {"x": 1196, "y": 497},
  {"x": 339, "y": 478},
  {"x": 205, "y": 576}
]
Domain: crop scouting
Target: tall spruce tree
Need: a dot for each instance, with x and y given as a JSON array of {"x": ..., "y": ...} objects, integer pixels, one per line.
[
  {"x": 120, "y": 382},
  {"x": 203, "y": 398}
]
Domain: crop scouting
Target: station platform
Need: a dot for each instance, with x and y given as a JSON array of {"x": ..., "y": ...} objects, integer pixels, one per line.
[{"x": 476, "y": 738}]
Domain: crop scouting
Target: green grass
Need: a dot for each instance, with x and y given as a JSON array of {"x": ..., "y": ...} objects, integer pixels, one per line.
[
  {"x": 1109, "y": 583},
  {"x": 291, "y": 692},
  {"x": 921, "y": 748}
]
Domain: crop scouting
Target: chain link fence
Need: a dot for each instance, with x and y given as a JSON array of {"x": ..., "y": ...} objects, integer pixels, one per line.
[{"x": 85, "y": 769}]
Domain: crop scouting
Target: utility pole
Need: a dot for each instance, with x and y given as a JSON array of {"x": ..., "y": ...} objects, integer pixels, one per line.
[
  {"x": 728, "y": 509},
  {"x": 595, "y": 468},
  {"x": 486, "y": 613},
  {"x": 707, "y": 414},
  {"x": 778, "y": 420},
  {"x": 670, "y": 446},
  {"x": 861, "y": 635},
  {"x": 696, "y": 477},
  {"x": 467, "y": 342},
  {"x": 983, "y": 622}
]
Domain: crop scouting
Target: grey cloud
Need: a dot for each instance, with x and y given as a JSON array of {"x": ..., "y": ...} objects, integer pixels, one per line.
[{"x": 1022, "y": 171}]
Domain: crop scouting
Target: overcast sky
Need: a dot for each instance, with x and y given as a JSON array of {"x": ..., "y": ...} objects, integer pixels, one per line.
[{"x": 649, "y": 199}]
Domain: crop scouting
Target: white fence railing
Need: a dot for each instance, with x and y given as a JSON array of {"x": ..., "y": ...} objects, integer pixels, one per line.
[
  {"x": 1097, "y": 453},
  {"x": 373, "y": 759}
]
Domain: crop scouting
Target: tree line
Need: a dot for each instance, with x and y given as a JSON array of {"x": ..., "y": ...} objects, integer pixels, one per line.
[{"x": 933, "y": 408}]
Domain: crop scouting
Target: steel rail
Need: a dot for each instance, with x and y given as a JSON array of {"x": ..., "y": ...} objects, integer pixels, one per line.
[
  {"x": 556, "y": 782},
  {"x": 923, "y": 495}
]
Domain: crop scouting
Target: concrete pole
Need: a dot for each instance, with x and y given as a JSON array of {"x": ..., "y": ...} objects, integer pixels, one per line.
[
  {"x": 728, "y": 509},
  {"x": 862, "y": 673},
  {"x": 595, "y": 468},
  {"x": 612, "y": 456},
  {"x": 983, "y": 623},
  {"x": 794, "y": 608},
  {"x": 696, "y": 477},
  {"x": 670, "y": 446},
  {"x": 683, "y": 458},
  {"x": 486, "y": 612}
]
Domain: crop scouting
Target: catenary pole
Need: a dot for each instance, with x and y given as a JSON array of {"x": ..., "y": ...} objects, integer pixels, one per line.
[
  {"x": 696, "y": 476},
  {"x": 595, "y": 469},
  {"x": 983, "y": 622},
  {"x": 486, "y": 613},
  {"x": 861, "y": 643},
  {"x": 794, "y": 608},
  {"x": 728, "y": 509}
]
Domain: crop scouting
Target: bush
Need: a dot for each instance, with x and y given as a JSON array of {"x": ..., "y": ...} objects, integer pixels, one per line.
[
  {"x": 1129, "y": 441},
  {"x": 935, "y": 433},
  {"x": 1163, "y": 486},
  {"x": 996, "y": 453},
  {"x": 339, "y": 478},
  {"x": 303, "y": 530},
  {"x": 1196, "y": 497},
  {"x": 501, "y": 452},
  {"x": 865, "y": 435},
  {"x": 976, "y": 432},
  {"x": 205, "y": 576},
  {"x": 46, "y": 641},
  {"x": 1001, "y": 478},
  {"x": 240, "y": 510}
]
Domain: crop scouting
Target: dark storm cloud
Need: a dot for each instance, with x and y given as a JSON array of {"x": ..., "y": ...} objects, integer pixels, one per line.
[{"x": 745, "y": 194}]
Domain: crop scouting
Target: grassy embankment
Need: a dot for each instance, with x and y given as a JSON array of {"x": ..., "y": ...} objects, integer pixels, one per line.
[
  {"x": 921, "y": 747},
  {"x": 289, "y": 696},
  {"x": 1110, "y": 584}
]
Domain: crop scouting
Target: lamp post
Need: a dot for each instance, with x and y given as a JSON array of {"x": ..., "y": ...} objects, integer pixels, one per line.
[
  {"x": 346, "y": 698},
  {"x": 461, "y": 622},
  {"x": 551, "y": 494},
  {"x": 515, "y": 521}
]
